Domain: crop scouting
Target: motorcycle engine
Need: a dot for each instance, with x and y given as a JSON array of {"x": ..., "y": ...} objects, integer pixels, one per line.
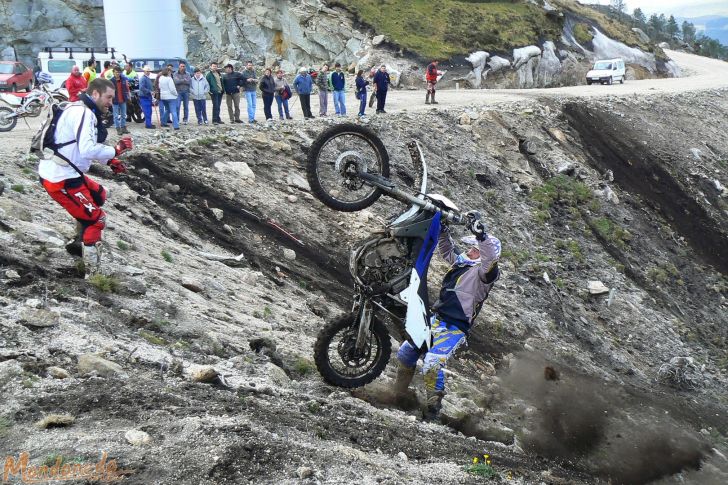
[{"x": 382, "y": 262}]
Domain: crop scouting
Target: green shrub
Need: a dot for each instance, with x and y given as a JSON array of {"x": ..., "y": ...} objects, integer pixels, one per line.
[
  {"x": 167, "y": 256},
  {"x": 105, "y": 284},
  {"x": 582, "y": 34},
  {"x": 304, "y": 366},
  {"x": 20, "y": 188},
  {"x": 612, "y": 232},
  {"x": 123, "y": 245},
  {"x": 152, "y": 339}
]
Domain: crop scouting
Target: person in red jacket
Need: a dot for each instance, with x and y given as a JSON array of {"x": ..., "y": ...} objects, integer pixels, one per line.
[
  {"x": 431, "y": 77},
  {"x": 75, "y": 84}
]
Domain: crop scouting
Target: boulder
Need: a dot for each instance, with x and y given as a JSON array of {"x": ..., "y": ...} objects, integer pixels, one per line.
[
  {"x": 89, "y": 363},
  {"x": 58, "y": 373},
  {"x": 203, "y": 373},
  {"x": 378, "y": 39},
  {"x": 137, "y": 437},
  {"x": 597, "y": 288},
  {"x": 524, "y": 54}
]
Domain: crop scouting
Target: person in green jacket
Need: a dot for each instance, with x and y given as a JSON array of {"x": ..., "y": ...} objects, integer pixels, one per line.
[
  {"x": 129, "y": 72},
  {"x": 213, "y": 79}
]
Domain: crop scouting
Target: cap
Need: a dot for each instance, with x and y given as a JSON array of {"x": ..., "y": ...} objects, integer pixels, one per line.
[
  {"x": 469, "y": 240},
  {"x": 146, "y": 68}
]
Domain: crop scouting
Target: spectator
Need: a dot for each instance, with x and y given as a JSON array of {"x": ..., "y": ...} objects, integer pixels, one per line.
[
  {"x": 303, "y": 84},
  {"x": 231, "y": 85},
  {"x": 250, "y": 83},
  {"x": 213, "y": 79},
  {"x": 129, "y": 71},
  {"x": 107, "y": 69},
  {"x": 89, "y": 74},
  {"x": 361, "y": 91},
  {"x": 182, "y": 82},
  {"x": 431, "y": 77},
  {"x": 146, "y": 89},
  {"x": 322, "y": 81},
  {"x": 283, "y": 93},
  {"x": 168, "y": 99},
  {"x": 75, "y": 83},
  {"x": 121, "y": 96},
  {"x": 268, "y": 88},
  {"x": 337, "y": 81},
  {"x": 199, "y": 88},
  {"x": 381, "y": 85},
  {"x": 110, "y": 72}
]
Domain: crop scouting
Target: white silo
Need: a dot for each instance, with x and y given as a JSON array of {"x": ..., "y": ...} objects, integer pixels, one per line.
[{"x": 145, "y": 28}]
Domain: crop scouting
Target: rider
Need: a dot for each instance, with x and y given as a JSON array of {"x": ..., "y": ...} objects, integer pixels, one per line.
[
  {"x": 79, "y": 137},
  {"x": 464, "y": 289}
]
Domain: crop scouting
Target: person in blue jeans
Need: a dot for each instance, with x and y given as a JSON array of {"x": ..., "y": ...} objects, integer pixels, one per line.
[
  {"x": 283, "y": 92},
  {"x": 250, "y": 85},
  {"x": 182, "y": 82},
  {"x": 465, "y": 287},
  {"x": 121, "y": 96},
  {"x": 199, "y": 89},
  {"x": 381, "y": 86},
  {"x": 146, "y": 88},
  {"x": 337, "y": 81},
  {"x": 361, "y": 91},
  {"x": 168, "y": 99}
]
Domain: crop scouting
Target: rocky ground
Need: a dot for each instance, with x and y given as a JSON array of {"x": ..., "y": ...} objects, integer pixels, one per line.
[{"x": 193, "y": 362}]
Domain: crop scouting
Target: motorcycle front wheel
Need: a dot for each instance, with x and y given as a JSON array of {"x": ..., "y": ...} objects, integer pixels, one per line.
[
  {"x": 337, "y": 359},
  {"x": 7, "y": 119},
  {"x": 335, "y": 159},
  {"x": 136, "y": 113}
]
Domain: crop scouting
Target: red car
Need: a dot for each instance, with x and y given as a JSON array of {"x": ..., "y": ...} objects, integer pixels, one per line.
[{"x": 15, "y": 76}]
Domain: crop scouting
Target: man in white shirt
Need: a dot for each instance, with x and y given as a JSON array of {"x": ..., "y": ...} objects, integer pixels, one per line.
[{"x": 78, "y": 142}]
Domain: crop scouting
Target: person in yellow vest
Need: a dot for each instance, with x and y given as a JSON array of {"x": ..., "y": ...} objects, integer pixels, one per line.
[
  {"x": 109, "y": 73},
  {"x": 90, "y": 72},
  {"x": 129, "y": 71}
]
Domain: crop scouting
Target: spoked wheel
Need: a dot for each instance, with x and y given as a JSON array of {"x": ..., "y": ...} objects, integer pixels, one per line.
[
  {"x": 337, "y": 359},
  {"x": 336, "y": 158},
  {"x": 135, "y": 112},
  {"x": 7, "y": 119}
]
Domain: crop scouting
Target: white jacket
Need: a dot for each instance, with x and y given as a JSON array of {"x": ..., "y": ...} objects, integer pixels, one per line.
[
  {"x": 199, "y": 88},
  {"x": 167, "y": 90},
  {"x": 82, "y": 153}
]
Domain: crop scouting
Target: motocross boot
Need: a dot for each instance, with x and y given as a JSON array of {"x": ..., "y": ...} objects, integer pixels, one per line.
[
  {"x": 403, "y": 380},
  {"x": 434, "y": 404},
  {"x": 74, "y": 246},
  {"x": 433, "y": 98},
  {"x": 427, "y": 98},
  {"x": 92, "y": 259}
]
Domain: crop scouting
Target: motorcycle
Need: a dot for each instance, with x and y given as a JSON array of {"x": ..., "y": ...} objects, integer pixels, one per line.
[
  {"x": 30, "y": 105},
  {"x": 348, "y": 170},
  {"x": 133, "y": 106}
]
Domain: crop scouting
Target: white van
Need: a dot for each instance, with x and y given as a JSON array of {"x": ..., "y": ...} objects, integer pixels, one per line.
[
  {"x": 58, "y": 61},
  {"x": 606, "y": 71}
]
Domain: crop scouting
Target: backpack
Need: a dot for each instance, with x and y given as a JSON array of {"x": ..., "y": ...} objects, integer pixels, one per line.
[{"x": 44, "y": 145}]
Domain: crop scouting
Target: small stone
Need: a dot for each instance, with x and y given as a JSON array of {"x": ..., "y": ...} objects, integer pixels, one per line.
[
  {"x": 304, "y": 472},
  {"x": 33, "y": 303},
  {"x": 192, "y": 285},
  {"x": 58, "y": 373},
  {"x": 378, "y": 39},
  {"x": 55, "y": 421},
  {"x": 12, "y": 274},
  {"x": 137, "y": 437},
  {"x": 464, "y": 119},
  {"x": 89, "y": 363},
  {"x": 39, "y": 317},
  {"x": 292, "y": 199},
  {"x": 227, "y": 229},
  {"x": 597, "y": 288},
  {"x": 298, "y": 181},
  {"x": 402, "y": 456},
  {"x": 173, "y": 226},
  {"x": 566, "y": 168},
  {"x": 289, "y": 254},
  {"x": 277, "y": 375},
  {"x": 203, "y": 373},
  {"x": 144, "y": 172},
  {"x": 131, "y": 270},
  {"x": 218, "y": 213}
]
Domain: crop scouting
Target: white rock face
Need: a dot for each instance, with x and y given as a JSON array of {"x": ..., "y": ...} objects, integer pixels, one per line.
[
  {"x": 478, "y": 60},
  {"x": 606, "y": 48},
  {"x": 524, "y": 54},
  {"x": 549, "y": 66}
]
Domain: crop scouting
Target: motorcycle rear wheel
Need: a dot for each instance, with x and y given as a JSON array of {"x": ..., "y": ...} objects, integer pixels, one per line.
[
  {"x": 337, "y": 360},
  {"x": 335, "y": 158},
  {"x": 7, "y": 120},
  {"x": 136, "y": 113}
]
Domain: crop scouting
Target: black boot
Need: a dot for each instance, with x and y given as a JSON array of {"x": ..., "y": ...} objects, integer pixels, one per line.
[
  {"x": 427, "y": 98},
  {"x": 434, "y": 404},
  {"x": 433, "y": 98}
]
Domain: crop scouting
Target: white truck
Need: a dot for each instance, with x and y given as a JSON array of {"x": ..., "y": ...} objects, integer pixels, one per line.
[
  {"x": 606, "y": 71},
  {"x": 58, "y": 61}
]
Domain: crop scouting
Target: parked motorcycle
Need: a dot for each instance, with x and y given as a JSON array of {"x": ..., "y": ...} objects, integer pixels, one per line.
[
  {"x": 30, "y": 105},
  {"x": 133, "y": 106},
  {"x": 348, "y": 170}
]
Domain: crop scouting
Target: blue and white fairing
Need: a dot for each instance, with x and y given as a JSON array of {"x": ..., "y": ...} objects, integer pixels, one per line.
[{"x": 417, "y": 322}]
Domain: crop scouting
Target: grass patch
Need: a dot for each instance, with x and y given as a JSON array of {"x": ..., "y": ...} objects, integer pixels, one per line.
[
  {"x": 167, "y": 256},
  {"x": 105, "y": 284},
  {"x": 612, "y": 232},
  {"x": 123, "y": 245},
  {"x": 5, "y": 425},
  {"x": 19, "y": 188},
  {"x": 514, "y": 256},
  {"x": 561, "y": 191},
  {"x": 573, "y": 247},
  {"x": 206, "y": 141},
  {"x": 304, "y": 366},
  {"x": 481, "y": 468},
  {"x": 582, "y": 34},
  {"x": 61, "y": 460},
  {"x": 152, "y": 339},
  {"x": 439, "y": 30}
]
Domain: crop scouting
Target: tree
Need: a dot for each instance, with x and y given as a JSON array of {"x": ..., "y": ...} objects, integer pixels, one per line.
[
  {"x": 672, "y": 29},
  {"x": 640, "y": 19},
  {"x": 618, "y": 7},
  {"x": 688, "y": 33},
  {"x": 656, "y": 27}
]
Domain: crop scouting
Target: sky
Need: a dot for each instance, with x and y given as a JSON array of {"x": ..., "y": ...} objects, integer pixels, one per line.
[{"x": 679, "y": 8}]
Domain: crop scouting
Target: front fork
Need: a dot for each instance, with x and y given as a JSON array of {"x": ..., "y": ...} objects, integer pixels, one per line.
[{"x": 365, "y": 310}]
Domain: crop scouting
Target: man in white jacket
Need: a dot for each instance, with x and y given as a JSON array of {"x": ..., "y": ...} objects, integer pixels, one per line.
[{"x": 78, "y": 142}]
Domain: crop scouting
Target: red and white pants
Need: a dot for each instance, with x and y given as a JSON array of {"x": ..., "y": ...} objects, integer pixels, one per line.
[{"x": 82, "y": 198}]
